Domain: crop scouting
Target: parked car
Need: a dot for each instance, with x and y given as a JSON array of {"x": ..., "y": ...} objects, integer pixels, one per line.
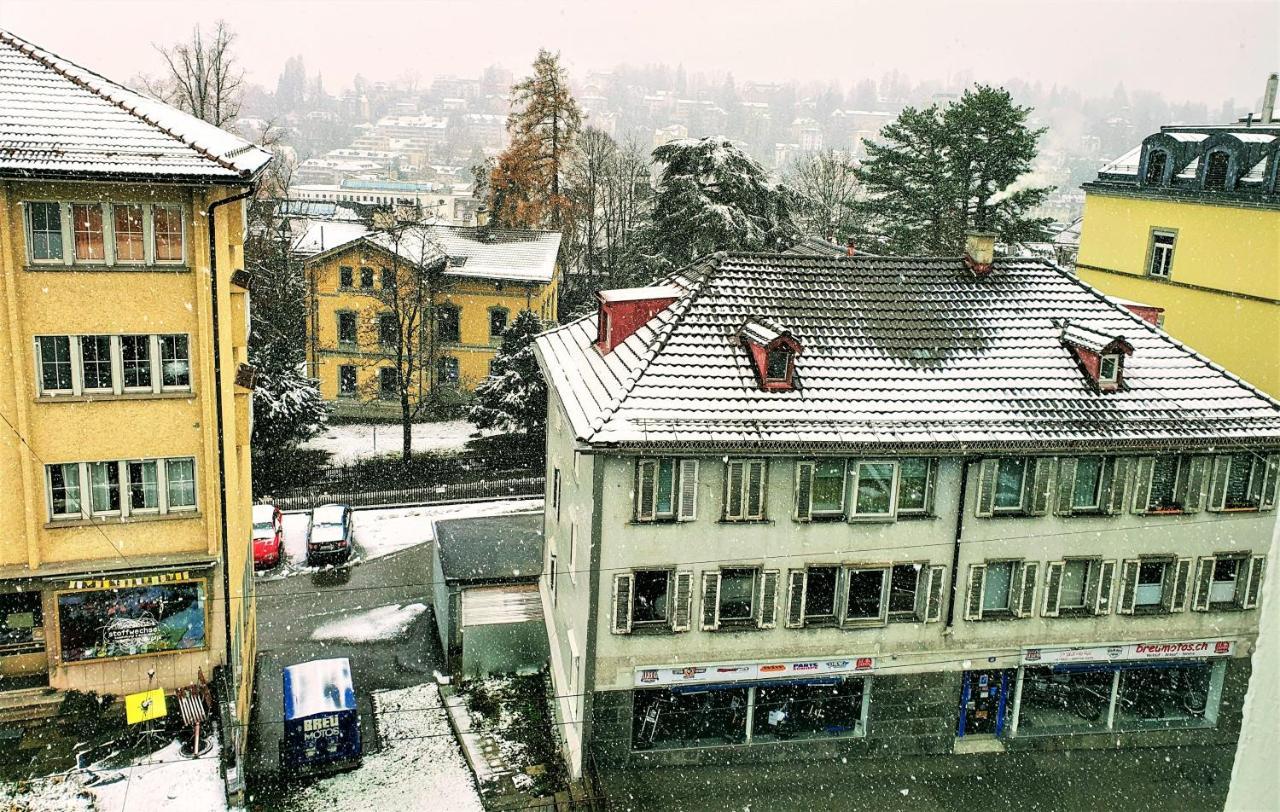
[
  {"x": 329, "y": 535},
  {"x": 268, "y": 535},
  {"x": 321, "y": 723}
]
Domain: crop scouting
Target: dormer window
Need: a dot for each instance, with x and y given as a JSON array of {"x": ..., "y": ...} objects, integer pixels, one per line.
[
  {"x": 1100, "y": 356},
  {"x": 1109, "y": 369},
  {"x": 772, "y": 351},
  {"x": 1215, "y": 171},
  {"x": 1156, "y": 162}
]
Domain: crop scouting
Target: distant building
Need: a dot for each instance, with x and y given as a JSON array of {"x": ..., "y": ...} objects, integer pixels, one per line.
[{"x": 448, "y": 204}]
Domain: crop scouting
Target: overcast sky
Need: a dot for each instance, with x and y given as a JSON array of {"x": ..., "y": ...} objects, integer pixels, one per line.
[{"x": 1206, "y": 50}]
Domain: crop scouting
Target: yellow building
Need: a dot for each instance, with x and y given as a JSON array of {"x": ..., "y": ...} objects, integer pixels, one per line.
[
  {"x": 359, "y": 315},
  {"x": 1190, "y": 222},
  {"x": 125, "y": 500}
]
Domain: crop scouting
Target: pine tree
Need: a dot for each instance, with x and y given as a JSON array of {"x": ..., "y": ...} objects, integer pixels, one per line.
[
  {"x": 938, "y": 172},
  {"x": 526, "y": 187},
  {"x": 514, "y": 396}
]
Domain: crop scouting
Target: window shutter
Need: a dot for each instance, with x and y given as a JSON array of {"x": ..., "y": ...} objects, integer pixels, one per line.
[
  {"x": 755, "y": 490},
  {"x": 1115, "y": 485},
  {"x": 884, "y": 593},
  {"x": 1269, "y": 478},
  {"x": 1181, "y": 583},
  {"x": 1197, "y": 473},
  {"x": 1102, "y": 594},
  {"x": 795, "y": 599},
  {"x": 933, "y": 604},
  {"x": 1027, "y": 600},
  {"x": 932, "y": 487},
  {"x": 973, "y": 604},
  {"x": 987, "y": 487},
  {"x": 1253, "y": 584},
  {"x": 710, "y": 600},
  {"x": 688, "y": 510},
  {"x": 1128, "y": 587},
  {"x": 1204, "y": 582},
  {"x": 646, "y": 490},
  {"x": 769, "y": 599},
  {"x": 804, "y": 491},
  {"x": 1142, "y": 484},
  {"x": 1218, "y": 482},
  {"x": 1066, "y": 484},
  {"x": 622, "y": 588},
  {"x": 684, "y": 601},
  {"x": 733, "y": 490},
  {"x": 1052, "y": 586},
  {"x": 1041, "y": 480}
]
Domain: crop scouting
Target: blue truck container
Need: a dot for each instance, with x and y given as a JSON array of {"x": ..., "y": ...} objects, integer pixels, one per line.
[{"x": 321, "y": 724}]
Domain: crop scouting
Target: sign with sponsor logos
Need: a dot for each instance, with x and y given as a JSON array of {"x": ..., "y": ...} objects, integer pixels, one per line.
[
  {"x": 1189, "y": 649},
  {"x": 653, "y": 676}
]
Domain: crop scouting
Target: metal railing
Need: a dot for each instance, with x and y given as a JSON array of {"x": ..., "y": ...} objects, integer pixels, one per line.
[{"x": 347, "y": 493}]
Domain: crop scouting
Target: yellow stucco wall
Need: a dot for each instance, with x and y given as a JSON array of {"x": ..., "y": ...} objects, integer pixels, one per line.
[
  {"x": 474, "y": 298},
  {"x": 115, "y": 300},
  {"x": 1222, "y": 297}
]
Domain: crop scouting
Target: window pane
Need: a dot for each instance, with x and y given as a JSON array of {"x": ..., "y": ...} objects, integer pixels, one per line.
[
  {"x": 649, "y": 605},
  {"x": 46, "y": 230},
  {"x": 913, "y": 484},
  {"x": 55, "y": 363},
  {"x": 95, "y": 355},
  {"x": 181, "y": 474},
  {"x": 388, "y": 330},
  {"x": 864, "y": 594},
  {"x": 447, "y": 323},
  {"x": 1150, "y": 588},
  {"x": 135, "y": 357},
  {"x": 1088, "y": 483},
  {"x": 1075, "y": 578},
  {"x": 1222, "y": 589},
  {"x": 144, "y": 490},
  {"x": 175, "y": 362},
  {"x": 820, "y": 593},
  {"x": 388, "y": 278},
  {"x": 995, "y": 586},
  {"x": 875, "y": 488},
  {"x": 1061, "y": 703},
  {"x": 663, "y": 718},
  {"x": 86, "y": 225},
  {"x": 666, "y": 486},
  {"x": 1164, "y": 483},
  {"x": 104, "y": 487},
  {"x": 346, "y": 276},
  {"x": 366, "y": 277},
  {"x": 1109, "y": 368},
  {"x": 1240, "y": 482},
  {"x": 388, "y": 381},
  {"x": 347, "y": 328},
  {"x": 902, "y": 587},
  {"x": 1009, "y": 479},
  {"x": 828, "y": 487},
  {"x": 64, "y": 482},
  {"x": 1162, "y": 697},
  {"x": 776, "y": 363},
  {"x": 497, "y": 323},
  {"x": 447, "y": 369},
  {"x": 736, "y": 590},
  {"x": 807, "y": 711},
  {"x": 347, "y": 380},
  {"x": 167, "y": 233},
  {"x": 128, "y": 233}
]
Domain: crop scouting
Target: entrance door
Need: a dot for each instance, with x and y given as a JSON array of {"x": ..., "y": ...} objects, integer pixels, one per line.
[{"x": 983, "y": 702}]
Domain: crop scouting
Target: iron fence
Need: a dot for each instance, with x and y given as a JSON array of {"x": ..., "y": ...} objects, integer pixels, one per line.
[{"x": 344, "y": 493}]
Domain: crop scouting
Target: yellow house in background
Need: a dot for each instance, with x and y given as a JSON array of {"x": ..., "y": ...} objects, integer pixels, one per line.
[
  {"x": 486, "y": 276},
  {"x": 1189, "y": 221},
  {"x": 125, "y": 560}
]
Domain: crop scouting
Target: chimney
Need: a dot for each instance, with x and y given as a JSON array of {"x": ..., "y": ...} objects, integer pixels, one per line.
[
  {"x": 482, "y": 216},
  {"x": 626, "y": 310},
  {"x": 1269, "y": 99},
  {"x": 979, "y": 251},
  {"x": 848, "y": 249}
]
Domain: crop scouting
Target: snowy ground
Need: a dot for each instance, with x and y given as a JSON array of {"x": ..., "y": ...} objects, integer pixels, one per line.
[
  {"x": 385, "y": 531},
  {"x": 383, "y": 623},
  {"x": 352, "y": 441},
  {"x": 419, "y": 766},
  {"x": 164, "y": 781}
]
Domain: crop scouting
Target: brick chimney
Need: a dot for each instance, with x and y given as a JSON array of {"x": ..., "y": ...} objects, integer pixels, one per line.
[
  {"x": 626, "y": 310},
  {"x": 979, "y": 251},
  {"x": 1269, "y": 99},
  {"x": 849, "y": 249}
]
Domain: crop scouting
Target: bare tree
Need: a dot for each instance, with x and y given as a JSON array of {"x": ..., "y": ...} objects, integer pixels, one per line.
[
  {"x": 203, "y": 77},
  {"x": 827, "y": 190}
]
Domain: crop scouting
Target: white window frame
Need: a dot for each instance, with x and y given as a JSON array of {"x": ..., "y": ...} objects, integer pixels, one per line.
[
  {"x": 158, "y": 379},
  {"x": 892, "y": 512},
  {"x": 1165, "y": 252},
  {"x": 684, "y": 490},
  {"x": 1113, "y": 359},
  {"x": 182, "y": 219},
  {"x": 930, "y": 474},
  {"x": 163, "y": 508},
  {"x": 116, "y": 361},
  {"x": 146, "y": 233},
  {"x": 81, "y": 486},
  {"x": 110, "y": 258},
  {"x": 882, "y": 616},
  {"x": 63, "y": 215},
  {"x": 108, "y": 234},
  {"x": 1028, "y": 468},
  {"x": 744, "y": 492},
  {"x": 72, "y": 352}
]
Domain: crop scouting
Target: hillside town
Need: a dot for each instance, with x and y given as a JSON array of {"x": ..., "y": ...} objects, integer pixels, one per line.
[{"x": 631, "y": 438}]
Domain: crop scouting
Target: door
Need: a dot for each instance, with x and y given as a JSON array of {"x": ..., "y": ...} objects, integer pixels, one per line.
[{"x": 983, "y": 703}]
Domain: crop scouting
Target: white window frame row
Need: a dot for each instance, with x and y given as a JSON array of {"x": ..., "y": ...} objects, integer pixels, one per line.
[
  {"x": 85, "y": 488},
  {"x": 76, "y": 360},
  {"x": 853, "y": 472},
  {"x": 109, "y": 259},
  {"x": 1122, "y": 586}
]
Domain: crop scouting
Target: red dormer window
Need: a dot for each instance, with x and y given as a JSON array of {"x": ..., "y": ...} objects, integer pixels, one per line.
[
  {"x": 1100, "y": 356},
  {"x": 772, "y": 351}
]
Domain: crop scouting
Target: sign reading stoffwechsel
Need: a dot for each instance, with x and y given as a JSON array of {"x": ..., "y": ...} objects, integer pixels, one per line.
[{"x": 1188, "y": 649}]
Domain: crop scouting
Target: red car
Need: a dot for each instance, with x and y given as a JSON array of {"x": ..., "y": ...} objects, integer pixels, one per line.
[{"x": 268, "y": 535}]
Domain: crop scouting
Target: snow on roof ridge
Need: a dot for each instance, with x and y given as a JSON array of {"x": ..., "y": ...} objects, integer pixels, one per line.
[{"x": 130, "y": 101}]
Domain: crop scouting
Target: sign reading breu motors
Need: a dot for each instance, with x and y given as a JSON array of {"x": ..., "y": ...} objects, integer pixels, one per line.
[
  {"x": 1130, "y": 651},
  {"x": 650, "y": 676}
]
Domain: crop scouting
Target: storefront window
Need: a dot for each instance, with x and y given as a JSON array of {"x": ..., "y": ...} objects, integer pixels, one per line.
[
  {"x": 807, "y": 711},
  {"x": 1162, "y": 697},
  {"x": 20, "y": 616},
  {"x": 704, "y": 718},
  {"x": 1064, "y": 702}
]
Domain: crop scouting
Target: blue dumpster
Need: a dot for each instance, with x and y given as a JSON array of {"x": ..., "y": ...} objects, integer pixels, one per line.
[{"x": 321, "y": 724}]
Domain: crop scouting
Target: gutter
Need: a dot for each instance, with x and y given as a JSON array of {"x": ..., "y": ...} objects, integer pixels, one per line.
[
  {"x": 955, "y": 549},
  {"x": 217, "y": 399}
]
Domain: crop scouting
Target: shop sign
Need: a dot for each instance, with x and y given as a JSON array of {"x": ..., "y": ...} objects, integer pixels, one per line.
[
  {"x": 98, "y": 623},
  {"x": 1129, "y": 651},
  {"x": 740, "y": 672}
]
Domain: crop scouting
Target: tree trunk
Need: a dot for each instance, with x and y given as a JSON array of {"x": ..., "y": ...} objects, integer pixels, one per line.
[{"x": 406, "y": 425}]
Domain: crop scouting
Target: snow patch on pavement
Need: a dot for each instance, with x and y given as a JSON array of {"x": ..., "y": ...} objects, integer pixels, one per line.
[
  {"x": 383, "y": 623},
  {"x": 418, "y": 767},
  {"x": 354, "y": 441}
]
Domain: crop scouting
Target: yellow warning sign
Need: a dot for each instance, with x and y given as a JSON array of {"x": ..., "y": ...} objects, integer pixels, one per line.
[{"x": 145, "y": 706}]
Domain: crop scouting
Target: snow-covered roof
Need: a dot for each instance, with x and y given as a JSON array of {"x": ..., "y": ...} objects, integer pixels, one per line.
[
  {"x": 900, "y": 353},
  {"x": 318, "y": 686},
  {"x": 59, "y": 120},
  {"x": 639, "y": 294},
  {"x": 1094, "y": 341},
  {"x": 313, "y": 236}
]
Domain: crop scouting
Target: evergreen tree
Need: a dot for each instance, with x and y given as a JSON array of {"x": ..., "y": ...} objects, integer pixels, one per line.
[
  {"x": 712, "y": 197},
  {"x": 938, "y": 172},
  {"x": 514, "y": 396}
]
